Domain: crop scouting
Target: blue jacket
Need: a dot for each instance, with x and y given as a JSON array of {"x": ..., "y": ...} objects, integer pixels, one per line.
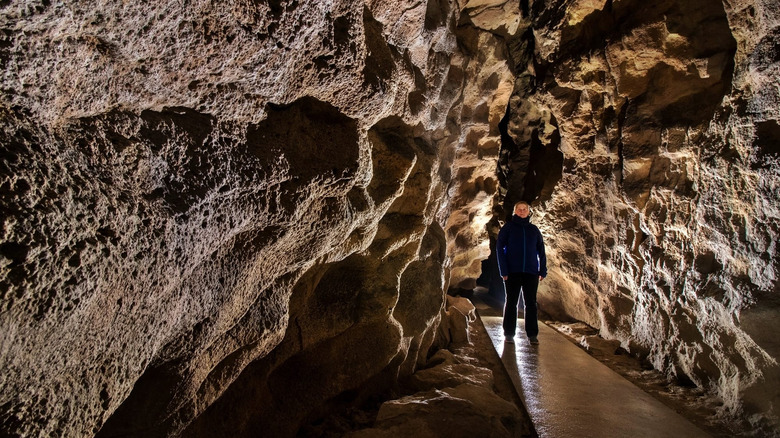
[{"x": 520, "y": 248}]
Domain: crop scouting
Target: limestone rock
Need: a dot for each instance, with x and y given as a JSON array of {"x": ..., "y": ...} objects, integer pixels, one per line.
[
  {"x": 469, "y": 205},
  {"x": 457, "y": 315},
  {"x": 644, "y": 132},
  {"x": 464, "y": 411},
  {"x": 447, "y": 371},
  {"x": 203, "y": 201}
]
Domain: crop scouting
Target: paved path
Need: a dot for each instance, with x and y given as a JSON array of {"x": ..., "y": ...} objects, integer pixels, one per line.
[{"x": 569, "y": 394}]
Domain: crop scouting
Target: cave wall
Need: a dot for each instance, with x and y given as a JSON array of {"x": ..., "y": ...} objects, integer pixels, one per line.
[
  {"x": 224, "y": 217},
  {"x": 647, "y": 135}
]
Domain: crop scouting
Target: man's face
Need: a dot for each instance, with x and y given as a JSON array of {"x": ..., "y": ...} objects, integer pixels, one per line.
[{"x": 522, "y": 211}]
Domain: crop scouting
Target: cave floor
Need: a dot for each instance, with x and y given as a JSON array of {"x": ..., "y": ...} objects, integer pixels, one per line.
[{"x": 568, "y": 393}]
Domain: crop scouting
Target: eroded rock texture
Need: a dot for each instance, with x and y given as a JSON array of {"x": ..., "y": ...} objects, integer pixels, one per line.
[
  {"x": 647, "y": 133},
  {"x": 221, "y": 218}
]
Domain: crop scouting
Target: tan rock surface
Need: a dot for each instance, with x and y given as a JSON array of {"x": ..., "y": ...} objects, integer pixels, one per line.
[
  {"x": 463, "y": 411},
  {"x": 646, "y": 132},
  {"x": 461, "y": 391},
  {"x": 469, "y": 204},
  {"x": 446, "y": 370},
  {"x": 203, "y": 202}
]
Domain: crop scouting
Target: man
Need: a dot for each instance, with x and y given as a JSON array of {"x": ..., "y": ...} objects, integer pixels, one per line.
[{"x": 522, "y": 264}]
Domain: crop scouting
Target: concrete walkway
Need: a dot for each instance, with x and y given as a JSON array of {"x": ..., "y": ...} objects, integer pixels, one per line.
[{"x": 569, "y": 394}]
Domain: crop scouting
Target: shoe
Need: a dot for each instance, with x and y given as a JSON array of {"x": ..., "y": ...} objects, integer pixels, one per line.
[{"x": 533, "y": 340}]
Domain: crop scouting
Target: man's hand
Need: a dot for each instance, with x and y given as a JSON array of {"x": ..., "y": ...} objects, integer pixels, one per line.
[
  {"x": 505, "y": 277},
  {"x": 541, "y": 278}
]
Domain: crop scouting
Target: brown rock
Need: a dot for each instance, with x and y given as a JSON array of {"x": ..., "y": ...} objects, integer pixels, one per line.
[
  {"x": 464, "y": 411},
  {"x": 658, "y": 213},
  {"x": 458, "y": 314},
  {"x": 203, "y": 202},
  {"x": 447, "y": 371}
]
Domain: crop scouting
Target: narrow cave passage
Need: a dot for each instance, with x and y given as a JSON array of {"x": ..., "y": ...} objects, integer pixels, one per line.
[
  {"x": 575, "y": 383},
  {"x": 569, "y": 393},
  {"x": 653, "y": 207},
  {"x": 203, "y": 202}
]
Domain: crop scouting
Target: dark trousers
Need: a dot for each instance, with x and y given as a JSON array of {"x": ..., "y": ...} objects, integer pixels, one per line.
[{"x": 528, "y": 283}]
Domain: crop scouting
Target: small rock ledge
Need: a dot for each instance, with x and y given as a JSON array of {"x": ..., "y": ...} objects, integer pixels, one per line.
[{"x": 463, "y": 391}]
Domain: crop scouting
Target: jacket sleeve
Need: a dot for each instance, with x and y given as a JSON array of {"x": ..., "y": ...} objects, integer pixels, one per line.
[
  {"x": 542, "y": 255},
  {"x": 501, "y": 242}
]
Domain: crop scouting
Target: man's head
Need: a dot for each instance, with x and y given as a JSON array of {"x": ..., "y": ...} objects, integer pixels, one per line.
[{"x": 522, "y": 209}]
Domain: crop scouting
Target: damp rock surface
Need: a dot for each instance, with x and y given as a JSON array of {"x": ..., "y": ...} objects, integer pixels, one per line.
[
  {"x": 462, "y": 391},
  {"x": 643, "y": 133},
  {"x": 461, "y": 411},
  {"x": 202, "y": 202}
]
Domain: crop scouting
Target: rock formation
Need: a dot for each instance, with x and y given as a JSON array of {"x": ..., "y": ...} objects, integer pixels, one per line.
[
  {"x": 647, "y": 134},
  {"x": 227, "y": 217},
  {"x": 233, "y": 205},
  {"x": 457, "y": 393}
]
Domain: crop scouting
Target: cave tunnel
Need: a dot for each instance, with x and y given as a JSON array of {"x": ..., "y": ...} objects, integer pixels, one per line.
[{"x": 279, "y": 218}]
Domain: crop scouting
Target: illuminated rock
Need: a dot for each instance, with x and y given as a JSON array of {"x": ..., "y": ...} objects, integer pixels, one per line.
[
  {"x": 465, "y": 410},
  {"x": 647, "y": 129},
  {"x": 229, "y": 212}
]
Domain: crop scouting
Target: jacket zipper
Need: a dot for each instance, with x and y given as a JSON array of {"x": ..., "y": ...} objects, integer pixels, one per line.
[{"x": 524, "y": 249}]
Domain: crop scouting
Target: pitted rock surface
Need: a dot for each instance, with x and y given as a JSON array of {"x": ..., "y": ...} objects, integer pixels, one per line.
[
  {"x": 643, "y": 133},
  {"x": 203, "y": 202}
]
